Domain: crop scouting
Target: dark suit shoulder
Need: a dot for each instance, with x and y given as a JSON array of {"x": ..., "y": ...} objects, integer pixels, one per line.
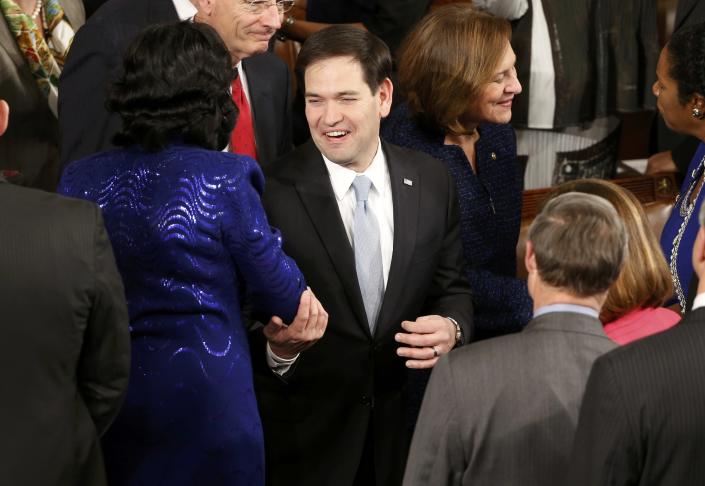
[
  {"x": 264, "y": 61},
  {"x": 656, "y": 356}
]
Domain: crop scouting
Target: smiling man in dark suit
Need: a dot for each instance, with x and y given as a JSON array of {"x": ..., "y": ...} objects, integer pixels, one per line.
[
  {"x": 263, "y": 130},
  {"x": 374, "y": 227}
]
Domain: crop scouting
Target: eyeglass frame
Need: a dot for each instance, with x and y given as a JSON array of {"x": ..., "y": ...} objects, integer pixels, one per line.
[{"x": 260, "y": 6}]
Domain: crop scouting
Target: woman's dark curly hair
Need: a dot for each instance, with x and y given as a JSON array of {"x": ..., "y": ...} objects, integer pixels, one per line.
[
  {"x": 175, "y": 87},
  {"x": 686, "y": 51}
]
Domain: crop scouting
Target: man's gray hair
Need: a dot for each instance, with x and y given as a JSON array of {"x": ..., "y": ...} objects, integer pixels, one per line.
[{"x": 580, "y": 243}]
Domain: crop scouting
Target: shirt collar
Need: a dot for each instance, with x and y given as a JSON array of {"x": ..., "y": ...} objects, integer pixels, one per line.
[
  {"x": 185, "y": 9},
  {"x": 341, "y": 178},
  {"x": 578, "y": 309},
  {"x": 699, "y": 301}
]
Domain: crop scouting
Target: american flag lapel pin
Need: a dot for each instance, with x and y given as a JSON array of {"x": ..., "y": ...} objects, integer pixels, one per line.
[{"x": 408, "y": 182}]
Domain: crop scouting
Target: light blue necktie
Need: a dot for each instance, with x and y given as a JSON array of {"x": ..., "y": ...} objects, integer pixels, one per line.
[{"x": 368, "y": 252}]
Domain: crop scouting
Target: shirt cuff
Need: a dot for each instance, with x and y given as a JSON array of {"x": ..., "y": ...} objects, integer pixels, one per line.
[{"x": 279, "y": 365}]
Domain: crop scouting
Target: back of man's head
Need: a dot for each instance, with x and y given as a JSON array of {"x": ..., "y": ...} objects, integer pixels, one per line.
[{"x": 579, "y": 242}]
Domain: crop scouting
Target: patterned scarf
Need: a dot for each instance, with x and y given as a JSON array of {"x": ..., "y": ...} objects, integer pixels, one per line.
[{"x": 45, "y": 56}]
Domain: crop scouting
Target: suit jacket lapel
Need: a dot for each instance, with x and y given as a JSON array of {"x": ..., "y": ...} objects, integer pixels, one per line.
[
  {"x": 316, "y": 193},
  {"x": 405, "y": 195},
  {"x": 260, "y": 99}
]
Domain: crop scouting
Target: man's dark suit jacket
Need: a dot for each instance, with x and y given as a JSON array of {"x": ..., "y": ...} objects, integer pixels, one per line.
[
  {"x": 643, "y": 416},
  {"x": 95, "y": 60},
  {"x": 64, "y": 340},
  {"x": 316, "y": 421}
]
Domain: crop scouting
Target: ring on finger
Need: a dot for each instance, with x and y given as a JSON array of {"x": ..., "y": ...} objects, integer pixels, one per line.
[{"x": 435, "y": 351}]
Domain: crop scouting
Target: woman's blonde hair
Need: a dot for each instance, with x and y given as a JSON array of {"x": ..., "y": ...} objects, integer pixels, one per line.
[
  {"x": 645, "y": 280},
  {"x": 447, "y": 59}
]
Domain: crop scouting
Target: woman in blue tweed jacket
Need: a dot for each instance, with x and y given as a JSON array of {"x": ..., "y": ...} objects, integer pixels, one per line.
[{"x": 457, "y": 72}]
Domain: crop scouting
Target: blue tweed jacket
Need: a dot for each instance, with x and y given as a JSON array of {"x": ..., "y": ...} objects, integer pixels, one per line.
[{"x": 490, "y": 216}]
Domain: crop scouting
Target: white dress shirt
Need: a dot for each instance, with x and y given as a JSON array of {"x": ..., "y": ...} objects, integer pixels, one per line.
[
  {"x": 379, "y": 201},
  {"x": 698, "y": 302}
]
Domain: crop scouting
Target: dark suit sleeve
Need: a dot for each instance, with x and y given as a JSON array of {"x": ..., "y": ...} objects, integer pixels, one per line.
[
  {"x": 104, "y": 365},
  {"x": 86, "y": 126},
  {"x": 436, "y": 454},
  {"x": 606, "y": 447},
  {"x": 449, "y": 294}
]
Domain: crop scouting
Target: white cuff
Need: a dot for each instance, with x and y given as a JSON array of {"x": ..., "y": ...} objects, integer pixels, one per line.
[{"x": 279, "y": 365}]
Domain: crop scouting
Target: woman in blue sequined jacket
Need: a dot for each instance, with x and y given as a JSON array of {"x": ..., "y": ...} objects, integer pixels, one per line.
[
  {"x": 457, "y": 72},
  {"x": 190, "y": 238}
]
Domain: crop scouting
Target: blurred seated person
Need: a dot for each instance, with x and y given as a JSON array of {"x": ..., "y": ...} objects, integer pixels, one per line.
[
  {"x": 390, "y": 20},
  {"x": 680, "y": 93},
  {"x": 503, "y": 411},
  {"x": 457, "y": 72},
  {"x": 35, "y": 36},
  {"x": 633, "y": 306},
  {"x": 189, "y": 232},
  {"x": 64, "y": 340}
]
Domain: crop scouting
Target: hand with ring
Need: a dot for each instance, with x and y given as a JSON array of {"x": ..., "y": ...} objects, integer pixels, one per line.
[{"x": 425, "y": 340}]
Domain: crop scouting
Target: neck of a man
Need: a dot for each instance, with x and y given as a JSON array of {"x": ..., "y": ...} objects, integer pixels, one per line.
[{"x": 544, "y": 294}]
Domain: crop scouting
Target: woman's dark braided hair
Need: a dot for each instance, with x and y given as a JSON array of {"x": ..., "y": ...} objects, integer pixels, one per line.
[
  {"x": 175, "y": 88},
  {"x": 686, "y": 51}
]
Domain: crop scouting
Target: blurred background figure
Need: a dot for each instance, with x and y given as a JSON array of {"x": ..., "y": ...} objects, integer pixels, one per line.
[
  {"x": 680, "y": 93},
  {"x": 64, "y": 342},
  {"x": 578, "y": 71},
  {"x": 390, "y": 20},
  {"x": 35, "y": 36},
  {"x": 504, "y": 410},
  {"x": 457, "y": 72},
  {"x": 633, "y": 306},
  {"x": 189, "y": 231}
]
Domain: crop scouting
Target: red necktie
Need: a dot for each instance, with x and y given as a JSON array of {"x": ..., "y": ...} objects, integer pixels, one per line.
[{"x": 242, "y": 138}]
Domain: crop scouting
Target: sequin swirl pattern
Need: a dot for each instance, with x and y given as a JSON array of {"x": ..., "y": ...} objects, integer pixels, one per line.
[{"x": 188, "y": 232}]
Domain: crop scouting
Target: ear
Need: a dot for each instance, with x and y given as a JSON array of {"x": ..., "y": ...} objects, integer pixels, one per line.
[
  {"x": 698, "y": 102},
  {"x": 384, "y": 94},
  {"x": 4, "y": 116},
  {"x": 530, "y": 257},
  {"x": 205, "y": 8}
]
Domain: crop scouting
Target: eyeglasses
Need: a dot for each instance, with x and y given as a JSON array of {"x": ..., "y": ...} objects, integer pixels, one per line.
[{"x": 260, "y": 6}]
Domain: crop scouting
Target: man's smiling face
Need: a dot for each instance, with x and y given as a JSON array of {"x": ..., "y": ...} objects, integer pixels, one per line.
[{"x": 343, "y": 113}]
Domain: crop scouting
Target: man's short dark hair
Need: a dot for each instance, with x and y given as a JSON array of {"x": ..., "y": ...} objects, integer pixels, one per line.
[
  {"x": 175, "y": 87},
  {"x": 345, "y": 41},
  {"x": 580, "y": 243}
]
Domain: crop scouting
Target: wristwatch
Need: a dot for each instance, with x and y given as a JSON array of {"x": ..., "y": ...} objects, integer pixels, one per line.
[{"x": 459, "y": 338}]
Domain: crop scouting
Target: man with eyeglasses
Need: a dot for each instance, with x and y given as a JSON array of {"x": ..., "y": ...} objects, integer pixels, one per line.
[{"x": 260, "y": 90}]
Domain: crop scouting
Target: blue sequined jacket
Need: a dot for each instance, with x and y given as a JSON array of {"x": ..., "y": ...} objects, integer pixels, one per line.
[
  {"x": 189, "y": 233},
  {"x": 490, "y": 216}
]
